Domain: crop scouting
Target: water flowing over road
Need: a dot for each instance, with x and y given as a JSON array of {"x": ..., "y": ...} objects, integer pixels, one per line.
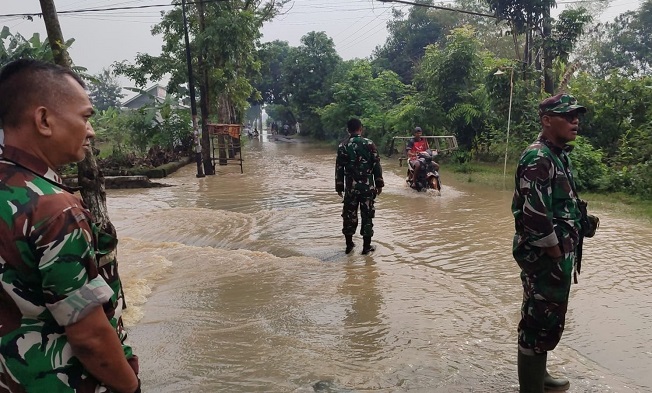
[{"x": 239, "y": 283}]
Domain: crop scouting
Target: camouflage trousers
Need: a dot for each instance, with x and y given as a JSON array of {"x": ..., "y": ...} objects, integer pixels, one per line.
[
  {"x": 546, "y": 288},
  {"x": 350, "y": 213}
]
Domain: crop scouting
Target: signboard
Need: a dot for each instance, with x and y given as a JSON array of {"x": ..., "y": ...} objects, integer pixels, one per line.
[{"x": 232, "y": 130}]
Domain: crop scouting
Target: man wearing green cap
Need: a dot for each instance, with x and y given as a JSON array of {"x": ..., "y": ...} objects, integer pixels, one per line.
[{"x": 547, "y": 221}]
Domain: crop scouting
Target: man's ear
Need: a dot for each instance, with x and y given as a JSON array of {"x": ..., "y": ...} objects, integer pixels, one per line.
[
  {"x": 42, "y": 121},
  {"x": 545, "y": 121}
]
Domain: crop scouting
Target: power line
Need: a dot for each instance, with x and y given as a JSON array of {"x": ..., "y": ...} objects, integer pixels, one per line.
[
  {"x": 39, "y": 14},
  {"x": 439, "y": 8}
]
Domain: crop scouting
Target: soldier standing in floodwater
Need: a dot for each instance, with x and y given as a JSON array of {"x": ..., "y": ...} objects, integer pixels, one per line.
[
  {"x": 359, "y": 176},
  {"x": 548, "y": 223}
]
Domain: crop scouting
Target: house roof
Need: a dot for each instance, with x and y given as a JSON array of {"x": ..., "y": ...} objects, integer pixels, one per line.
[{"x": 152, "y": 91}]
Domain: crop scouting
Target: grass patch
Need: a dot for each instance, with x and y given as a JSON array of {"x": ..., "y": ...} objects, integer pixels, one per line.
[
  {"x": 491, "y": 174},
  {"x": 483, "y": 173},
  {"x": 106, "y": 148},
  {"x": 625, "y": 204}
]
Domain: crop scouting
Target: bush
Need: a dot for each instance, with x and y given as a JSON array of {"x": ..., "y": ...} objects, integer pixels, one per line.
[
  {"x": 590, "y": 170},
  {"x": 636, "y": 179}
]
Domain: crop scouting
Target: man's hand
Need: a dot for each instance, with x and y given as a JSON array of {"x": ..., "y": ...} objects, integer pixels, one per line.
[
  {"x": 379, "y": 190},
  {"x": 97, "y": 346},
  {"x": 340, "y": 194}
]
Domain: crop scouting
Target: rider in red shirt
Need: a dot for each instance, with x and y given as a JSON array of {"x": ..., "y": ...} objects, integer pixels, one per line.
[{"x": 415, "y": 146}]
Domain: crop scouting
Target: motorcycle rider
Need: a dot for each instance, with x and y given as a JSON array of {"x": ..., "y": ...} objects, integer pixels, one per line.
[{"x": 415, "y": 146}]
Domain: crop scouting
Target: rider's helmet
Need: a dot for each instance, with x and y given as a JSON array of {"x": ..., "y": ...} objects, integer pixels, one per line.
[{"x": 417, "y": 129}]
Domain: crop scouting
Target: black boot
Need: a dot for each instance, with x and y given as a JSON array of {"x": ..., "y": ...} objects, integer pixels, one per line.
[
  {"x": 366, "y": 246},
  {"x": 349, "y": 243},
  {"x": 531, "y": 372},
  {"x": 551, "y": 384}
]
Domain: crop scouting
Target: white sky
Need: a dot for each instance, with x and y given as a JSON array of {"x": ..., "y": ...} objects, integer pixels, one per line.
[{"x": 357, "y": 26}]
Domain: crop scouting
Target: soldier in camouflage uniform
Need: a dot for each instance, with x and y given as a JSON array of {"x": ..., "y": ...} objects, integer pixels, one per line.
[
  {"x": 61, "y": 298},
  {"x": 547, "y": 220},
  {"x": 359, "y": 176}
]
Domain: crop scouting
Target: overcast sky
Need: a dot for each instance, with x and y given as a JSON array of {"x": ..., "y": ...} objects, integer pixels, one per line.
[{"x": 357, "y": 26}]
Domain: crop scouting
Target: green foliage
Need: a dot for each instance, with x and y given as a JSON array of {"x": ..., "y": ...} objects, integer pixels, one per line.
[
  {"x": 105, "y": 91},
  {"x": 624, "y": 44},
  {"x": 363, "y": 95},
  {"x": 617, "y": 105},
  {"x": 271, "y": 84},
  {"x": 110, "y": 128},
  {"x": 567, "y": 30},
  {"x": 164, "y": 126},
  {"x": 15, "y": 46},
  {"x": 633, "y": 164},
  {"x": 459, "y": 63},
  {"x": 226, "y": 43},
  {"x": 308, "y": 72},
  {"x": 588, "y": 162},
  {"x": 409, "y": 35}
]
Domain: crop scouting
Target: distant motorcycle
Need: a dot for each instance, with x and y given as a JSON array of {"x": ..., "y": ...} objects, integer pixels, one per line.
[{"x": 428, "y": 177}]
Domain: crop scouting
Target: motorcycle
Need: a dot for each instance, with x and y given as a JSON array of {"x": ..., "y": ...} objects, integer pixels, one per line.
[{"x": 428, "y": 177}]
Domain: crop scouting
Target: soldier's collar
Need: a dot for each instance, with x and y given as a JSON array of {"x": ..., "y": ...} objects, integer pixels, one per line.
[
  {"x": 556, "y": 149},
  {"x": 32, "y": 164}
]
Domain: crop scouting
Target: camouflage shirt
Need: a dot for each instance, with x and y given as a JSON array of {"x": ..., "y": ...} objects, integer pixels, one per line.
[
  {"x": 358, "y": 166},
  {"x": 545, "y": 206},
  {"x": 55, "y": 267}
]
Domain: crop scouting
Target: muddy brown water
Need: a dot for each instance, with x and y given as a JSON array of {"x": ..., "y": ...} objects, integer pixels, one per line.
[{"x": 239, "y": 283}]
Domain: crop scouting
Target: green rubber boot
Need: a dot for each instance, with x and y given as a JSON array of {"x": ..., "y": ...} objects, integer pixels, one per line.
[
  {"x": 531, "y": 372},
  {"x": 551, "y": 384},
  {"x": 349, "y": 244},
  {"x": 366, "y": 246}
]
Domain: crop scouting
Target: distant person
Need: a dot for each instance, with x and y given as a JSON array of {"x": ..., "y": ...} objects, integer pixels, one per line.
[
  {"x": 416, "y": 145},
  {"x": 358, "y": 179},
  {"x": 286, "y": 129},
  {"x": 548, "y": 239},
  {"x": 61, "y": 298}
]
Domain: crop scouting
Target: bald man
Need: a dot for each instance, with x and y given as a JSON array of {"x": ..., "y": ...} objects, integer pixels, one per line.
[{"x": 60, "y": 295}]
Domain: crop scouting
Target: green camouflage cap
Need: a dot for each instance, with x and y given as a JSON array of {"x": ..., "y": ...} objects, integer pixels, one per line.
[{"x": 561, "y": 103}]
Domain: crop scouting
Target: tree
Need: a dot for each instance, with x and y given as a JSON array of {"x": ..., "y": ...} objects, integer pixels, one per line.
[
  {"x": 409, "y": 35},
  {"x": 223, "y": 48},
  {"x": 624, "y": 44},
  {"x": 271, "y": 85},
  {"x": 361, "y": 94},
  {"x": 105, "y": 91},
  {"x": 459, "y": 64},
  {"x": 308, "y": 72},
  {"x": 545, "y": 38}
]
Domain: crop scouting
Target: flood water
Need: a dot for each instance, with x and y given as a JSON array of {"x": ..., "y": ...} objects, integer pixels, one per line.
[{"x": 239, "y": 283}]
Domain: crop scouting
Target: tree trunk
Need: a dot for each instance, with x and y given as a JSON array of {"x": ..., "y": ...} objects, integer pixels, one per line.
[
  {"x": 90, "y": 177},
  {"x": 204, "y": 96},
  {"x": 55, "y": 36}
]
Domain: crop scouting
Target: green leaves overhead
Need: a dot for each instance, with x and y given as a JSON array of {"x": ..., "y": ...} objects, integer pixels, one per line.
[{"x": 226, "y": 41}]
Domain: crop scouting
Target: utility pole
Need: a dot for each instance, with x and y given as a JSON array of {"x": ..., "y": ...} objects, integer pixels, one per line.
[
  {"x": 191, "y": 88},
  {"x": 89, "y": 176}
]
